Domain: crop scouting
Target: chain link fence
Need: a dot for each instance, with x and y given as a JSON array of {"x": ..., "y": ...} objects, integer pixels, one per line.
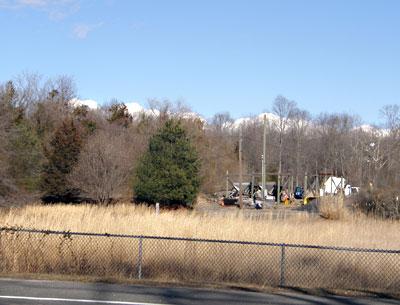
[{"x": 198, "y": 260}]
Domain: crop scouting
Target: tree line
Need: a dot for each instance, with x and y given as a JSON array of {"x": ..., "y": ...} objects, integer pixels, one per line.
[{"x": 56, "y": 151}]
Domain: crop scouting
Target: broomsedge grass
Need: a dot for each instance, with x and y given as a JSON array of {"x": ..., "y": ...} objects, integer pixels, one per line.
[
  {"x": 185, "y": 261},
  {"x": 352, "y": 231}
]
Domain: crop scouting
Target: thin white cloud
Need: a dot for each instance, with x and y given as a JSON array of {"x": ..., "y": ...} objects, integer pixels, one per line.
[
  {"x": 137, "y": 26},
  {"x": 82, "y": 30},
  {"x": 33, "y": 3},
  {"x": 55, "y": 9},
  {"x": 7, "y": 4}
]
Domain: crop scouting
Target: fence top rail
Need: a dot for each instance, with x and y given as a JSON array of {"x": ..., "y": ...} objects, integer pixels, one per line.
[{"x": 254, "y": 243}]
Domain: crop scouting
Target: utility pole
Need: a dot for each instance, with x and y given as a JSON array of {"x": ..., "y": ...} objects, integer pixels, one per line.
[
  {"x": 240, "y": 170},
  {"x": 316, "y": 180},
  {"x": 278, "y": 191},
  {"x": 263, "y": 160},
  {"x": 227, "y": 184},
  {"x": 252, "y": 187},
  {"x": 305, "y": 184},
  {"x": 263, "y": 178}
]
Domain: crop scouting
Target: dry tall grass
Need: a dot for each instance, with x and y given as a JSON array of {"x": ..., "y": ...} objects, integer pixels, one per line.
[
  {"x": 333, "y": 208},
  {"x": 188, "y": 261},
  {"x": 351, "y": 231}
]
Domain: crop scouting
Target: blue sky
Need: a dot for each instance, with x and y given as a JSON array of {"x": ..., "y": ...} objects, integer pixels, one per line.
[{"x": 237, "y": 56}]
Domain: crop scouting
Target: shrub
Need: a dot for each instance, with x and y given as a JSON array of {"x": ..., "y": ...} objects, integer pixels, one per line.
[
  {"x": 332, "y": 207},
  {"x": 383, "y": 202}
]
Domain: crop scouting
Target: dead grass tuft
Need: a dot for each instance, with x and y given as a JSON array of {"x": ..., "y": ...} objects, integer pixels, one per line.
[{"x": 333, "y": 208}]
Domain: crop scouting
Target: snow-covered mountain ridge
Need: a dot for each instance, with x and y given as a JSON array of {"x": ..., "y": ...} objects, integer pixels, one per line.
[{"x": 135, "y": 108}]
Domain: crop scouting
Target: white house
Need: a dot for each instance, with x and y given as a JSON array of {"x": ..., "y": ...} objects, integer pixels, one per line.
[{"x": 333, "y": 185}]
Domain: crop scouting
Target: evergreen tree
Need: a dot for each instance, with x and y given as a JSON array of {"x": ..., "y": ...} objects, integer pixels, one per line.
[
  {"x": 61, "y": 156},
  {"x": 169, "y": 171},
  {"x": 25, "y": 156},
  {"x": 7, "y": 95}
]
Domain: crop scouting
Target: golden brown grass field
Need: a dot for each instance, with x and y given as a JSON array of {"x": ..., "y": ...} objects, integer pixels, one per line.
[
  {"x": 202, "y": 262},
  {"x": 351, "y": 231}
]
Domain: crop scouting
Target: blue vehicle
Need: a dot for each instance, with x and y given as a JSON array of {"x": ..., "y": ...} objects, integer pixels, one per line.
[{"x": 298, "y": 192}]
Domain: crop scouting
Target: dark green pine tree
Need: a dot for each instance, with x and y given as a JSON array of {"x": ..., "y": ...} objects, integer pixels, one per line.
[
  {"x": 25, "y": 156},
  {"x": 62, "y": 155},
  {"x": 169, "y": 171}
]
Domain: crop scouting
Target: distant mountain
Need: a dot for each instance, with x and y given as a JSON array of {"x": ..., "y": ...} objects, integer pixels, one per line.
[
  {"x": 135, "y": 109},
  {"x": 259, "y": 118},
  {"x": 92, "y": 104}
]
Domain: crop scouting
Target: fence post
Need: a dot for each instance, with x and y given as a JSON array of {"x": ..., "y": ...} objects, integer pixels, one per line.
[
  {"x": 139, "y": 262},
  {"x": 282, "y": 277}
]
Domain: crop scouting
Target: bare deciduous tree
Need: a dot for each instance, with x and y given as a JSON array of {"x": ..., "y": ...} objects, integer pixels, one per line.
[
  {"x": 391, "y": 143},
  {"x": 105, "y": 166},
  {"x": 285, "y": 110},
  {"x": 222, "y": 121},
  {"x": 300, "y": 123},
  {"x": 391, "y": 114}
]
